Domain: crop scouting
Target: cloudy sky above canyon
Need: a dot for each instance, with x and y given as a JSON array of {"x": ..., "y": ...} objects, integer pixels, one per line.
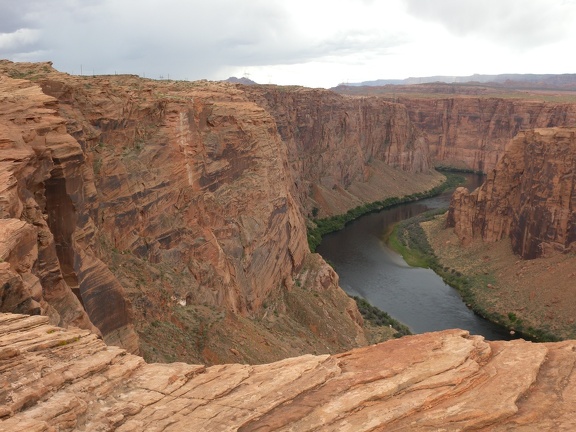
[{"x": 317, "y": 43}]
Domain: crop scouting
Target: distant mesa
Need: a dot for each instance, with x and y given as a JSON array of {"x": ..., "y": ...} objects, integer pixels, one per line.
[
  {"x": 243, "y": 80},
  {"x": 547, "y": 81}
]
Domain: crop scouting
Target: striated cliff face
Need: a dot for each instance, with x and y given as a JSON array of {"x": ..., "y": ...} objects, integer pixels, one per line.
[
  {"x": 472, "y": 132},
  {"x": 341, "y": 149},
  {"x": 46, "y": 199},
  {"x": 529, "y": 197},
  {"x": 174, "y": 210},
  {"x": 195, "y": 179},
  {"x": 435, "y": 381}
]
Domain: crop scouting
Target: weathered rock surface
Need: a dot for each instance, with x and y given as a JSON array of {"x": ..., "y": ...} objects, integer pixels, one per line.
[
  {"x": 56, "y": 379},
  {"x": 45, "y": 198},
  {"x": 469, "y": 132},
  {"x": 529, "y": 197},
  {"x": 340, "y": 149}
]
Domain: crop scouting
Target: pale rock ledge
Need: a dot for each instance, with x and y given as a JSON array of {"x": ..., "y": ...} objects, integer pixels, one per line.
[{"x": 54, "y": 379}]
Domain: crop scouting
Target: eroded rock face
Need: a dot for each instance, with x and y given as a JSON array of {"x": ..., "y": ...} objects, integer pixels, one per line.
[
  {"x": 435, "y": 381},
  {"x": 529, "y": 197},
  {"x": 337, "y": 144},
  {"x": 179, "y": 207},
  {"x": 195, "y": 180},
  {"x": 470, "y": 132},
  {"x": 180, "y": 195},
  {"x": 45, "y": 200}
]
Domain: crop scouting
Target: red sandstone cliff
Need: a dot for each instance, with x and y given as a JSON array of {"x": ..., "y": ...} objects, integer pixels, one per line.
[
  {"x": 340, "y": 149},
  {"x": 177, "y": 207},
  {"x": 529, "y": 197},
  {"x": 46, "y": 199},
  {"x": 469, "y": 126},
  {"x": 472, "y": 133}
]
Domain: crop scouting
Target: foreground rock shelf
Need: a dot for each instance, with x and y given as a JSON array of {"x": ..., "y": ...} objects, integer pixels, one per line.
[{"x": 55, "y": 379}]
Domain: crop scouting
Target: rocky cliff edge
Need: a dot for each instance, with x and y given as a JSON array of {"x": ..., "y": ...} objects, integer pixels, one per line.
[{"x": 55, "y": 379}]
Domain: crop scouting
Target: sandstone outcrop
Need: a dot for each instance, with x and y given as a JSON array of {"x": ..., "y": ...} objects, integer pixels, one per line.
[
  {"x": 56, "y": 379},
  {"x": 529, "y": 197}
]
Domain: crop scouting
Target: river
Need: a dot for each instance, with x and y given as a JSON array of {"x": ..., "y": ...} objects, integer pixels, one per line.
[{"x": 415, "y": 296}]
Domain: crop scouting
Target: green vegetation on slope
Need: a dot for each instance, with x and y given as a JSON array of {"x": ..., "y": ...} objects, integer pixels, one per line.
[
  {"x": 409, "y": 239},
  {"x": 335, "y": 223},
  {"x": 380, "y": 318}
]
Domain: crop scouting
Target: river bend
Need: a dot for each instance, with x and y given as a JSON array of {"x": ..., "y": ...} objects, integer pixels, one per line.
[{"x": 415, "y": 296}]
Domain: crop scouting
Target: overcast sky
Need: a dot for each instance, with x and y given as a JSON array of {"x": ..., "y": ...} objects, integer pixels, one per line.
[{"x": 316, "y": 43}]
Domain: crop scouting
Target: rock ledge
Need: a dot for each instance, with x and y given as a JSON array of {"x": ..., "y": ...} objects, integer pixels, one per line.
[{"x": 55, "y": 379}]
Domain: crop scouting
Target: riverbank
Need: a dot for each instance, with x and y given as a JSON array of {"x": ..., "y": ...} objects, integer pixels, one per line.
[
  {"x": 493, "y": 281},
  {"x": 379, "y": 325},
  {"x": 320, "y": 227}
]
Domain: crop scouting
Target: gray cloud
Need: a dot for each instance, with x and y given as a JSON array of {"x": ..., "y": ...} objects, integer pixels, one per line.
[
  {"x": 516, "y": 23},
  {"x": 12, "y": 16},
  {"x": 189, "y": 39},
  {"x": 17, "y": 32},
  {"x": 194, "y": 39}
]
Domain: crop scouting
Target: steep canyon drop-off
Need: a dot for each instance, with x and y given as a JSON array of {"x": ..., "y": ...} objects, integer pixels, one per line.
[
  {"x": 170, "y": 218},
  {"x": 170, "y": 215}
]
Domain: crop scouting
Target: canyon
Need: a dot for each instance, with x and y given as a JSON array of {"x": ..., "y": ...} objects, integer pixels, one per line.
[
  {"x": 160, "y": 221},
  {"x": 174, "y": 213}
]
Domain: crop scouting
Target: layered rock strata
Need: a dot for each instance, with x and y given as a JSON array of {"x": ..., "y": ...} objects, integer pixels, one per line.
[
  {"x": 469, "y": 132},
  {"x": 55, "y": 379},
  {"x": 529, "y": 197},
  {"x": 175, "y": 198},
  {"x": 196, "y": 210},
  {"x": 46, "y": 197},
  {"x": 341, "y": 149},
  {"x": 188, "y": 198},
  {"x": 468, "y": 126}
]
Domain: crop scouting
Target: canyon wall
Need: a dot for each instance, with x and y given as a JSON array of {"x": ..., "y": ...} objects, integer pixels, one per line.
[
  {"x": 472, "y": 133},
  {"x": 529, "y": 197},
  {"x": 46, "y": 199},
  {"x": 174, "y": 210},
  {"x": 344, "y": 151}
]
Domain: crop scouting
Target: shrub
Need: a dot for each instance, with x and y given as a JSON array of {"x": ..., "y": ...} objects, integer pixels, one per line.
[{"x": 380, "y": 318}]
